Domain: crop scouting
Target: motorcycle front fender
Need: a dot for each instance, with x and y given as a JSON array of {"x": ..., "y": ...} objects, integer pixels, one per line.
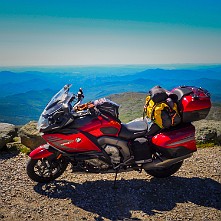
[{"x": 40, "y": 152}]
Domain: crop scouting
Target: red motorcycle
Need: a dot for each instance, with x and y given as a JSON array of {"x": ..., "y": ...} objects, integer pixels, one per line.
[{"x": 93, "y": 140}]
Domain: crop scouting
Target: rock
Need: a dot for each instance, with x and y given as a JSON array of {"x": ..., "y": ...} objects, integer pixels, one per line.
[
  {"x": 206, "y": 134},
  {"x": 208, "y": 130},
  {"x": 30, "y": 137},
  {"x": 7, "y": 133}
]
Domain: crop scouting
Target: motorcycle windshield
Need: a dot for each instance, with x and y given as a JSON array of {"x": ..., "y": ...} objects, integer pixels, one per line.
[{"x": 55, "y": 104}]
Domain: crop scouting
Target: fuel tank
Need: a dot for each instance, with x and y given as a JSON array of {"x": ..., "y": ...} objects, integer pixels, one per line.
[{"x": 97, "y": 125}]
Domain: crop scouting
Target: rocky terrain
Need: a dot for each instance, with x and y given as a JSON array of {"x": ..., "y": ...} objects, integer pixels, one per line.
[
  {"x": 193, "y": 193},
  {"x": 12, "y": 137}
]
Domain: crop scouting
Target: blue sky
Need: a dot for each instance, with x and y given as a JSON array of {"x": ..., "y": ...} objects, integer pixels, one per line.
[{"x": 102, "y": 32}]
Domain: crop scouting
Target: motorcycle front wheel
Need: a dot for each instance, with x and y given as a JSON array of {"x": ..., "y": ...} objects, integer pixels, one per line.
[
  {"x": 165, "y": 172},
  {"x": 46, "y": 170}
]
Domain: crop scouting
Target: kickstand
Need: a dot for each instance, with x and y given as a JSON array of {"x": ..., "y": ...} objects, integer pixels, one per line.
[
  {"x": 115, "y": 180},
  {"x": 140, "y": 169}
]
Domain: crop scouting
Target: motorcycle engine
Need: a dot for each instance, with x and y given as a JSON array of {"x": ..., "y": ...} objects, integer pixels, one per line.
[
  {"x": 114, "y": 154},
  {"x": 97, "y": 165}
]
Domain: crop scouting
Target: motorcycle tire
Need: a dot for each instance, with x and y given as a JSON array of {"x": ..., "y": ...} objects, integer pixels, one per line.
[
  {"x": 46, "y": 170},
  {"x": 165, "y": 172}
]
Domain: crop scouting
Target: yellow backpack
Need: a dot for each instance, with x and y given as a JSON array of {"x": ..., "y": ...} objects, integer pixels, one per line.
[{"x": 164, "y": 112}]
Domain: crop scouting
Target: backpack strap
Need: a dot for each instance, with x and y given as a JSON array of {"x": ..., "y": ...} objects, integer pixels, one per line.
[{"x": 148, "y": 98}]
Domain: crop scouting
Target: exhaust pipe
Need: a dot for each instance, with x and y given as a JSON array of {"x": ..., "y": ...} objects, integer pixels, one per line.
[{"x": 158, "y": 164}]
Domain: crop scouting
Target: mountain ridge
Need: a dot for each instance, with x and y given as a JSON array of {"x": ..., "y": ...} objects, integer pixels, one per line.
[{"x": 25, "y": 94}]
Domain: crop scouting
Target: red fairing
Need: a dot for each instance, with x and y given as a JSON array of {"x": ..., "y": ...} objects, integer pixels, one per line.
[
  {"x": 189, "y": 103},
  {"x": 71, "y": 143},
  {"x": 40, "y": 152},
  {"x": 79, "y": 142},
  {"x": 95, "y": 127},
  {"x": 184, "y": 137}
]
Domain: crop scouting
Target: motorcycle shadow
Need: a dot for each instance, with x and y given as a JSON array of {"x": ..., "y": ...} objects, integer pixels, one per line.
[
  {"x": 6, "y": 154},
  {"x": 149, "y": 196}
]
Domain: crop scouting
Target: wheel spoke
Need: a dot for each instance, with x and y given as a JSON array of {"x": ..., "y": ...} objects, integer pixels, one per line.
[
  {"x": 39, "y": 170},
  {"x": 44, "y": 170}
]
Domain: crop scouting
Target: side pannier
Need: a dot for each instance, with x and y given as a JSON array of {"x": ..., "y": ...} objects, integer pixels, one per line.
[
  {"x": 194, "y": 103},
  {"x": 161, "y": 108}
]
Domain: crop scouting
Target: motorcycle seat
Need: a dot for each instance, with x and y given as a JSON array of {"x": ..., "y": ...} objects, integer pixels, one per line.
[
  {"x": 136, "y": 126},
  {"x": 133, "y": 129}
]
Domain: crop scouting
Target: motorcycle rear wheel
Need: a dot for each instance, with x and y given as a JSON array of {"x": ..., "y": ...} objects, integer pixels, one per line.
[
  {"x": 46, "y": 170},
  {"x": 165, "y": 172}
]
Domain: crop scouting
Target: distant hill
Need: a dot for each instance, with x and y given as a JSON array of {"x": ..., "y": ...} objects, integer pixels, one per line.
[
  {"x": 23, "y": 95},
  {"x": 131, "y": 106},
  {"x": 22, "y": 108}
]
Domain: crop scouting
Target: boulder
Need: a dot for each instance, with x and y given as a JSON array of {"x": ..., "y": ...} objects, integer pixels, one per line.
[
  {"x": 30, "y": 137},
  {"x": 208, "y": 131},
  {"x": 7, "y": 133}
]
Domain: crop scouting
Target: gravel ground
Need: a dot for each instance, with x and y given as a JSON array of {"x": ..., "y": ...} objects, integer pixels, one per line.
[{"x": 193, "y": 193}]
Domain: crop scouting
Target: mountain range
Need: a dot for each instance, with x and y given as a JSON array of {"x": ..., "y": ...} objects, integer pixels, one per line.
[{"x": 23, "y": 95}]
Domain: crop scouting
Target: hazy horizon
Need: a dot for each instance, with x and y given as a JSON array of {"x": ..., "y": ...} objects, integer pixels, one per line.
[{"x": 57, "y": 68}]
